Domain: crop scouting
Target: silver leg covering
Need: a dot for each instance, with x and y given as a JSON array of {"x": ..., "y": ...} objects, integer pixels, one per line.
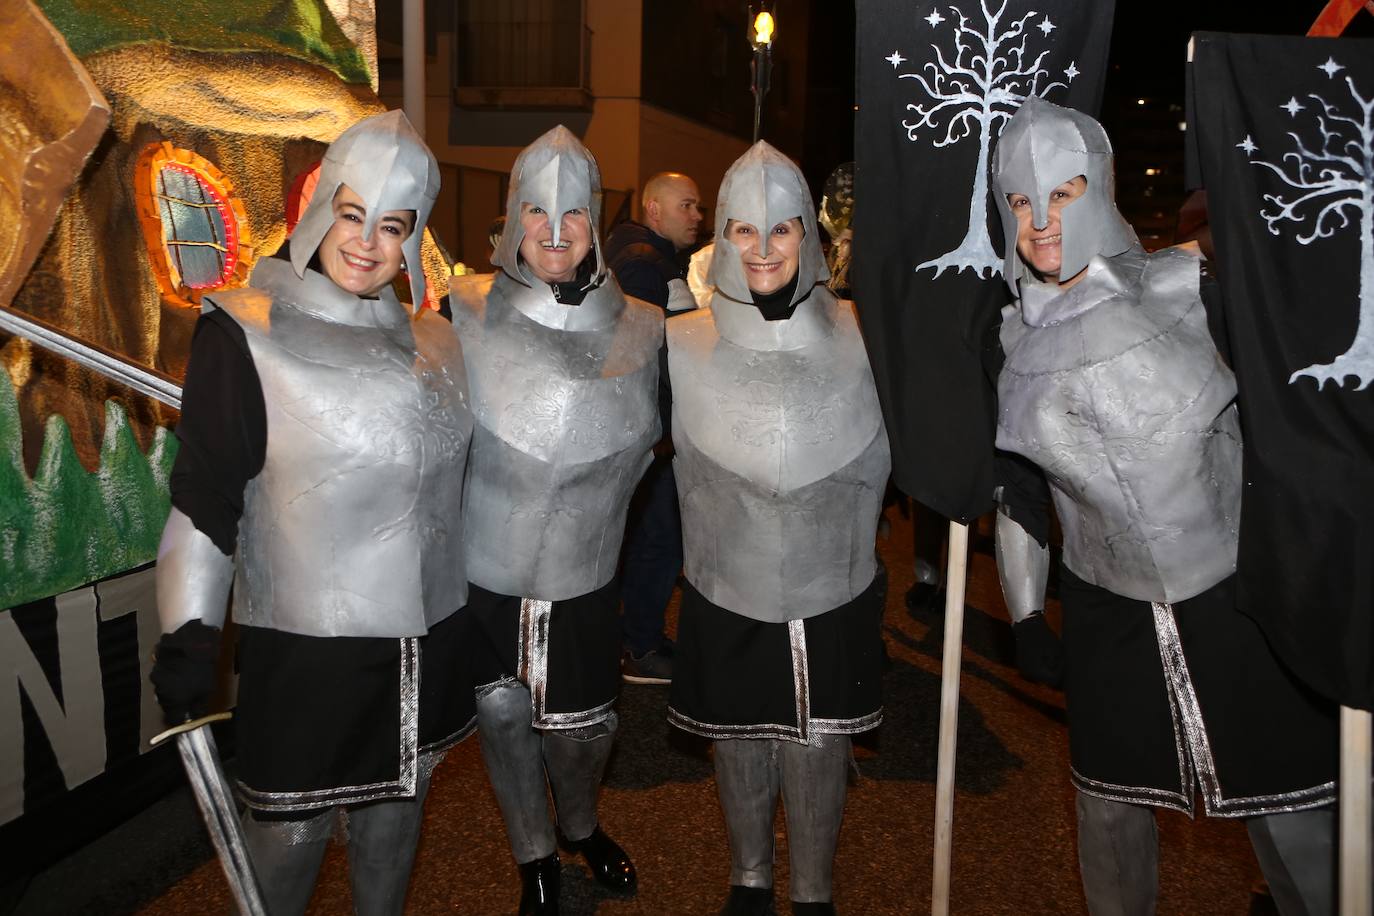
[
  {"x": 382, "y": 838},
  {"x": 512, "y": 750},
  {"x": 748, "y": 777},
  {"x": 575, "y": 761},
  {"x": 1118, "y": 856},
  {"x": 815, "y": 779},
  {"x": 1297, "y": 853},
  {"x": 287, "y": 855}
]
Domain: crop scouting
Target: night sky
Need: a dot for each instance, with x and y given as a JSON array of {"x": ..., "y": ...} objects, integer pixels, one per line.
[{"x": 1150, "y": 39}]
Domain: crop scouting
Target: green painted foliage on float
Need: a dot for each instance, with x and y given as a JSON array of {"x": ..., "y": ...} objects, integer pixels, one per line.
[
  {"x": 67, "y": 526},
  {"x": 304, "y": 29}
]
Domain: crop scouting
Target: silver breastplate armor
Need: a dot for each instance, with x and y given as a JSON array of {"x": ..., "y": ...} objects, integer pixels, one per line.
[
  {"x": 782, "y": 456},
  {"x": 566, "y": 404},
  {"x": 353, "y": 527},
  {"x": 1115, "y": 389}
]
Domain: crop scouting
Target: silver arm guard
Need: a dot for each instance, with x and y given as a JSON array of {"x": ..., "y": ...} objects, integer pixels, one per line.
[
  {"x": 193, "y": 576},
  {"x": 1023, "y": 565}
]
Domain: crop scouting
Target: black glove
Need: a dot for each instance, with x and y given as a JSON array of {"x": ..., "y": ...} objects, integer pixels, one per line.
[
  {"x": 184, "y": 671},
  {"x": 1039, "y": 654}
]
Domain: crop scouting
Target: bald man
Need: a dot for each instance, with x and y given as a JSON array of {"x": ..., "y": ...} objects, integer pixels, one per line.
[{"x": 645, "y": 257}]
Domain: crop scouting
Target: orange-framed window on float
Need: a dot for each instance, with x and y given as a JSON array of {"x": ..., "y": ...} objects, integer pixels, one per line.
[{"x": 193, "y": 223}]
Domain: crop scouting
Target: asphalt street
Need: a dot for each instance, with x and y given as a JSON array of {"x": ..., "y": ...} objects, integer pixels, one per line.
[{"x": 1014, "y": 849}]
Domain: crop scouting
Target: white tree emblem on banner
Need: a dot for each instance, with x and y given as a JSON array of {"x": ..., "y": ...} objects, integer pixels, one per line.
[
  {"x": 1327, "y": 179},
  {"x": 974, "y": 92}
]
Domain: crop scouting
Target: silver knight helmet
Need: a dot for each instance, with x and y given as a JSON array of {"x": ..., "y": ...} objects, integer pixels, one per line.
[
  {"x": 764, "y": 188},
  {"x": 1042, "y": 147},
  {"x": 555, "y": 173},
  {"x": 386, "y": 163}
]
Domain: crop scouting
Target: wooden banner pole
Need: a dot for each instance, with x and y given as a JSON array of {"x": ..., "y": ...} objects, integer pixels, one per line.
[
  {"x": 956, "y": 572},
  {"x": 1354, "y": 807}
]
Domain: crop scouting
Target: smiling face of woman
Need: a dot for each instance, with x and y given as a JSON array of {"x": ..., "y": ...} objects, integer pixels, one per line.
[
  {"x": 547, "y": 261},
  {"x": 1041, "y": 248},
  {"x": 771, "y": 272},
  {"x": 363, "y": 266}
]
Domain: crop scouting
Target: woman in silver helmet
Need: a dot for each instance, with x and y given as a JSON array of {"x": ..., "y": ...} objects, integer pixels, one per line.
[
  {"x": 1113, "y": 386},
  {"x": 781, "y": 463},
  {"x": 324, "y": 432},
  {"x": 564, "y": 376}
]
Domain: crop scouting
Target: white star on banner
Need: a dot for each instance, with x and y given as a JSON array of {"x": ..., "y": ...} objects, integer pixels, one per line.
[
  {"x": 896, "y": 59},
  {"x": 1247, "y": 144},
  {"x": 1330, "y": 67},
  {"x": 1292, "y": 107},
  {"x": 935, "y": 18},
  {"x": 1046, "y": 26},
  {"x": 1072, "y": 71}
]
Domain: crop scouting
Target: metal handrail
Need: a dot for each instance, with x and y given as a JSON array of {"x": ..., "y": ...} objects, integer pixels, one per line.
[{"x": 154, "y": 384}]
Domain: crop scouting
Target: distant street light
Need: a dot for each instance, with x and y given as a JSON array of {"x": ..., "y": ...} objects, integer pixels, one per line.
[{"x": 762, "y": 29}]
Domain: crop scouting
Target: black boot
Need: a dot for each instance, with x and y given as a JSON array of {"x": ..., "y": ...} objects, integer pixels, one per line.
[
  {"x": 749, "y": 901},
  {"x": 610, "y": 865},
  {"x": 813, "y": 909},
  {"x": 539, "y": 891}
]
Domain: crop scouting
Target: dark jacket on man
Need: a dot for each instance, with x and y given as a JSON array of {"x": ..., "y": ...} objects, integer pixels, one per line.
[{"x": 643, "y": 262}]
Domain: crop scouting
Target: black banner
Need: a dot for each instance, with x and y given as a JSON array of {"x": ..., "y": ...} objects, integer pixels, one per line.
[
  {"x": 76, "y": 701},
  {"x": 1281, "y": 134},
  {"x": 936, "y": 84}
]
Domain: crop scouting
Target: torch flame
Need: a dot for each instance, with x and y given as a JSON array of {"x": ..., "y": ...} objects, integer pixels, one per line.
[{"x": 763, "y": 28}]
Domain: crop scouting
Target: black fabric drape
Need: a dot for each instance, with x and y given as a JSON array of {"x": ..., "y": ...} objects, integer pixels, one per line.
[
  {"x": 1288, "y": 182},
  {"x": 915, "y": 199}
]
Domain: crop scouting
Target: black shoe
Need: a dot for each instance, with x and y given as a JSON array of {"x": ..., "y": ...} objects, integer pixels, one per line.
[
  {"x": 653, "y": 667},
  {"x": 539, "y": 887},
  {"x": 749, "y": 901},
  {"x": 813, "y": 909},
  {"x": 610, "y": 866},
  {"x": 925, "y": 596}
]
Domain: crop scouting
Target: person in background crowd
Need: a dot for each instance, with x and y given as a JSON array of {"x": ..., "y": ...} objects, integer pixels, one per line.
[{"x": 646, "y": 259}]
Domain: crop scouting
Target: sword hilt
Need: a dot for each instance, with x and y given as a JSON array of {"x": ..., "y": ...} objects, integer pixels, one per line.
[{"x": 188, "y": 725}]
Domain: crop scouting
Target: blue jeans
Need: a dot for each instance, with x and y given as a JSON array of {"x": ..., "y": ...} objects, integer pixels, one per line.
[{"x": 652, "y": 557}]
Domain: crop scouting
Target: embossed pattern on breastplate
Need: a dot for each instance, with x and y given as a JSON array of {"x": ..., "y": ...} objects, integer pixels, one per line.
[
  {"x": 565, "y": 425},
  {"x": 781, "y": 463},
  {"x": 353, "y": 527},
  {"x": 1129, "y": 410},
  {"x": 782, "y": 418}
]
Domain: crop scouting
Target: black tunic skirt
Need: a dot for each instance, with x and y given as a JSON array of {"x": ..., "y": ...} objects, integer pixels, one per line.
[
  {"x": 1166, "y": 702},
  {"x": 566, "y": 652},
  {"x": 735, "y": 677},
  {"x": 324, "y": 721}
]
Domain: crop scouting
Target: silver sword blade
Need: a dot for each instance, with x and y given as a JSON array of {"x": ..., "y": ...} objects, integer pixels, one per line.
[{"x": 200, "y": 758}]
